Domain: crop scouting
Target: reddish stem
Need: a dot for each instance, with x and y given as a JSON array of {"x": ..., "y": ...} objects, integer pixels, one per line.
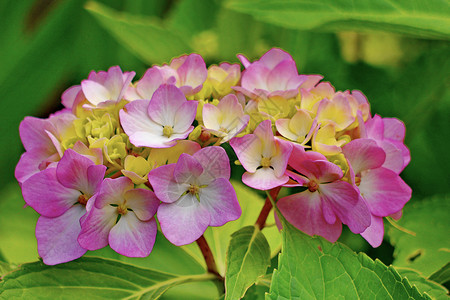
[
  {"x": 208, "y": 256},
  {"x": 261, "y": 221}
]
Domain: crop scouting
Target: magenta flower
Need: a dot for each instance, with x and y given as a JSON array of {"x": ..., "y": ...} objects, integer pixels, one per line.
[
  {"x": 187, "y": 72},
  {"x": 160, "y": 122},
  {"x": 382, "y": 189},
  {"x": 389, "y": 134},
  {"x": 327, "y": 202},
  {"x": 274, "y": 74},
  {"x": 122, "y": 217},
  {"x": 196, "y": 193},
  {"x": 60, "y": 196},
  {"x": 263, "y": 157},
  {"x": 41, "y": 139}
]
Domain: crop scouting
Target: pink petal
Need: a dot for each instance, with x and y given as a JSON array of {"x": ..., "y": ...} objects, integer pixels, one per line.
[
  {"x": 72, "y": 172},
  {"x": 364, "y": 154},
  {"x": 304, "y": 211},
  {"x": 57, "y": 237},
  {"x": 143, "y": 203},
  {"x": 248, "y": 150},
  {"x": 96, "y": 227},
  {"x": 244, "y": 60},
  {"x": 394, "y": 129},
  {"x": 166, "y": 188},
  {"x": 138, "y": 125},
  {"x": 211, "y": 116},
  {"x": 394, "y": 156},
  {"x": 273, "y": 57},
  {"x": 29, "y": 164},
  {"x": 215, "y": 163},
  {"x": 193, "y": 71},
  {"x": 374, "y": 233},
  {"x": 320, "y": 170},
  {"x": 184, "y": 221},
  {"x": 47, "y": 196},
  {"x": 114, "y": 82},
  {"x": 33, "y": 135},
  {"x": 184, "y": 116},
  {"x": 112, "y": 191},
  {"x": 220, "y": 200},
  {"x": 279, "y": 77},
  {"x": 151, "y": 80},
  {"x": 384, "y": 191},
  {"x": 187, "y": 169},
  {"x": 69, "y": 96},
  {"x": 255, "y": 77},
  {"x": 95, "y": 92},
  {"x": 164, "y": 104},
  {"x": 132, "y": 237},
  {"x": 280, "y": 160},
  {"x": 263, "y": 179},
  {"x": 346, "y": 204}
]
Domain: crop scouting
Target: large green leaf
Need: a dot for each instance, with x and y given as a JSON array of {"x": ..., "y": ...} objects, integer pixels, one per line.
[
  {"x": 429, "y": 249},
  {"x": 433, "y": 289},
  {"x": 17, "y": 240},
  {"x": 417, "y": 18},
  {"x": 145, "y": 37},
  {"x": 248, "y": 257},
  {"x": 219, "y": 237},
  {"x": 313, "y": 268},
  {"x": 90, "y": 278}
]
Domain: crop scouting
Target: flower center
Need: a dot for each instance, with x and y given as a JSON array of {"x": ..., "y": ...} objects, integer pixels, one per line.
[
  {"x": 312, "y": 186},
  {"x": 193, "y": 189},
  {"x": 83, "y": 199},
  {"x": 167, "y": 130},
  {"x": 357, "y": 180},
  {"x": 122, "y": 209},
  {"x": 265, "y": 162}
]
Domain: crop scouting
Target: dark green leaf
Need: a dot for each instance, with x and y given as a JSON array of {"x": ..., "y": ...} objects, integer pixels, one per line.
[
  {"x": 423, "y": 19},
  {"x": 145, "y": 37},
  {"x": 442, "y": 275},
  {"x": 313, "y": 268},
  {"x": 248, "y": 257},
  {"x": 90, "y": 278},
  {"x": 436, "y": 291},
  {"x": 429, "y": 249}
]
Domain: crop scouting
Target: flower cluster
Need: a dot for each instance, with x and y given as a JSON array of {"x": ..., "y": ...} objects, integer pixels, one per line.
[{"x": 122, "y": 152}]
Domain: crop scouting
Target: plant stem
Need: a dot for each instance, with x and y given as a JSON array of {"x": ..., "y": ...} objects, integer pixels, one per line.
[
  {"x": 208, "y": 256},
  {"x": 261, "y": 221}
]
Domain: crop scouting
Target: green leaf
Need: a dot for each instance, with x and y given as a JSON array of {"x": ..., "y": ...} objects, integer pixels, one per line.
[
  {"x": 436, "y": 291},
  {"x": 429, "y": 249},
  {"x": 313, "y": 268},
  {"x": 442, "y": 275},
  {"x": 90, "y": 278},
  {"x": 248, "y": 257},
  {"x": 421, "y": 19},
  {"x": 18, "y": 242},
  {"x": 218, "y": 238},
  {"x": 5, "y": 268},
  {"x": 145, "y": 37}
]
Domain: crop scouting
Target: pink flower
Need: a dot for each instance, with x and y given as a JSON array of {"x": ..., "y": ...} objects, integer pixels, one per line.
[
  {"x": 382, "y": 189},
  {"x": 389, "y": 134},
  {"x": 122, "y": 217},
  {"x": 60, "y": 195},
  {"x": 274, "y": 74},
  {"x": 196, "y": 193},
  {"x": 263, "y": 157},
  {"x": 41, "y": 139},
  {"x": 160, "y": 122},
  {"x": 327, "y": 202},
  {"x": 103, "y": 87},
  {"x": 187, "y": 72}
]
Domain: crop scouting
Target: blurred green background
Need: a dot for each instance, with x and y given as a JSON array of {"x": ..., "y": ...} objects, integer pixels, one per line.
[{"x": 398, "y": 56}]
